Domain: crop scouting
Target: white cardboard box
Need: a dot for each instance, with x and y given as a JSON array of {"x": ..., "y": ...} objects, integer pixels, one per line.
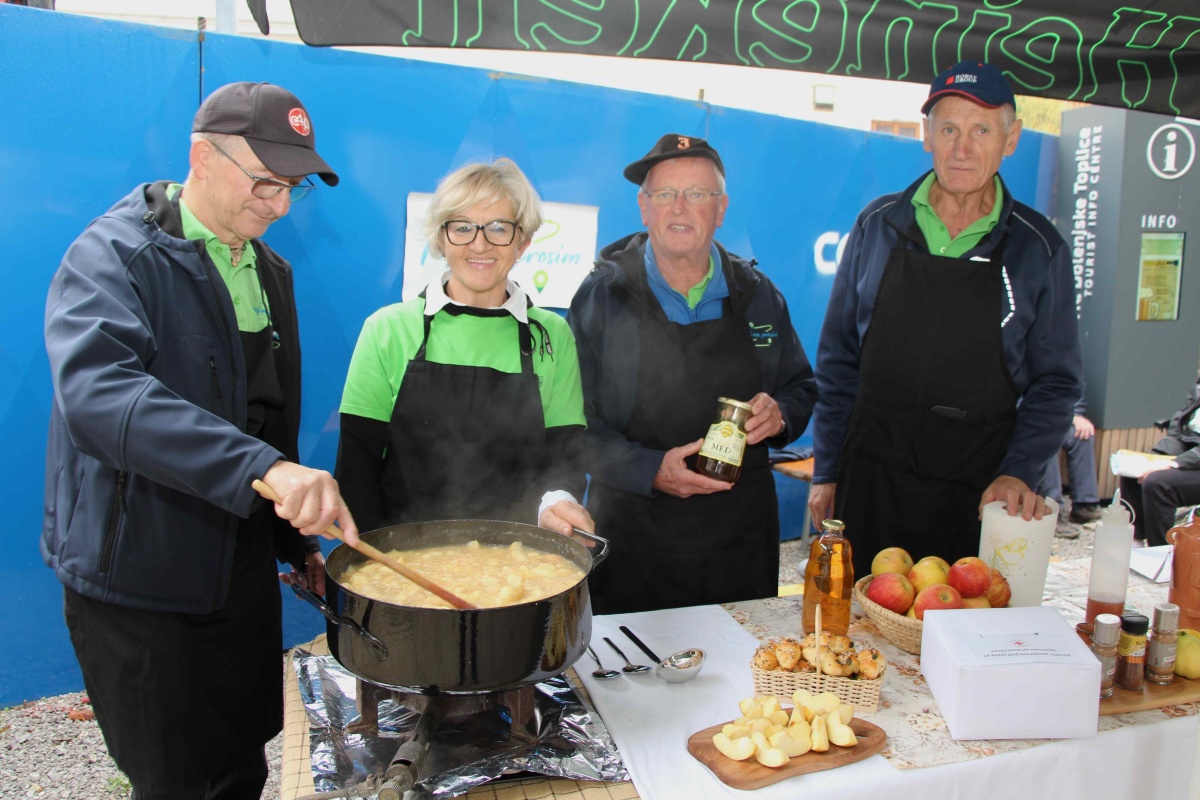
[{"x": 1010, "y": 673}]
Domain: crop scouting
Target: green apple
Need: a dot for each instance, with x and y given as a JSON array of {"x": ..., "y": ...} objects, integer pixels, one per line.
[{"x": 1187, "y": 654}]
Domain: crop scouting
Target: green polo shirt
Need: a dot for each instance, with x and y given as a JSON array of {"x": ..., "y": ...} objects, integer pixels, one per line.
[
  {"x": 392, "y": 335},
  {"x": 249, "y": 301},
  {"x": 936, "y": 235},
  {"x": 696, "y": 293}
]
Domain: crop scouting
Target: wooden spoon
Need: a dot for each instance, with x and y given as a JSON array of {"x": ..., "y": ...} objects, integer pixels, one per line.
[{"x": 375, "y": 554}]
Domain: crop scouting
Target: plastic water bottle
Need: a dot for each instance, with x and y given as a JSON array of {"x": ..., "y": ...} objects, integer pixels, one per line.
[{"x": 1110, "y": 561}]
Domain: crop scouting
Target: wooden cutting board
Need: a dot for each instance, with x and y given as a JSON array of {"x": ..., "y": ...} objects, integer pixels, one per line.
[
  {"x": 750, "y": 774},
  {"x": 1150, "y": 696}
]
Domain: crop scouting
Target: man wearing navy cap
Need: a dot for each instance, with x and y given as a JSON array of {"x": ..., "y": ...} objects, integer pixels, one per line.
[
  {"x": 949, "y": 358},
  {"x": 175, "y": 354},
  {"x": 667, "y": 323}
]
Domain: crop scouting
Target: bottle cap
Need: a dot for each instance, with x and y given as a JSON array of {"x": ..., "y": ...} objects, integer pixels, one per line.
[
  {"x": 1134, "y": 624},
  {"x": 833, "y": 525},
  {"x": 1107, "y": 630},
  {"x": 1166, "y": 617}
]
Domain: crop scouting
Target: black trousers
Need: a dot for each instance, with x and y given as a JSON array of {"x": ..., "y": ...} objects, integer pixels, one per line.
[
  {"x": 1155, "y": 499},
  {"x": 240, "y": 781}
]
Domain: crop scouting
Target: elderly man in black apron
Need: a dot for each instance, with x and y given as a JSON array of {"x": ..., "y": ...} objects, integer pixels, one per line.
[
  {"x": 949, "y": 358},
  {"x": 667, "y": 323},
  {"x": 174, "y": 348}
]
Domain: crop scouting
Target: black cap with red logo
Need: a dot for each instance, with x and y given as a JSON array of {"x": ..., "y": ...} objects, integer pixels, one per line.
[{"x": 274, "y": 123}]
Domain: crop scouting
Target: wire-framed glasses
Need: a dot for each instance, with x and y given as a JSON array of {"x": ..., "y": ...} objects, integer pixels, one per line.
[
  {"x": 499, "y": 232},
  {"x": 695, "y": 196},
  {"x": 268, "y": 188}
]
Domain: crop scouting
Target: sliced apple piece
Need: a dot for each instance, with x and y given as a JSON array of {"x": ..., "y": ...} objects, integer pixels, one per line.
[
  {"x": 771, "y": 730},
  {"x": 797, "y": 715},
  {"x": 799, "y": 695},
  {"x": 750, "y": 708},
  {"x": 820, "y": 735},
  {"x": 779, "y": 717},
  {"x": 798, "y": 726},
  {"x": 770, "y": 706},
  {"x": 735, "y": 731},
  {"x": 759, "y": 725},
  {"x": 790, "y": 746},
  {"x": 839, "y": 732},
  {"x": 846, "y": 712},
  {"x": 738, "y": 749},
  {"x": 771, "y": 757},
  {"x": 827, "y": 700}
]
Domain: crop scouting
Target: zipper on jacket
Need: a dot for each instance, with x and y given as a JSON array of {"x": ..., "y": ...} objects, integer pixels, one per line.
[
  {"x": 214, "y": 384},
  {"x": 115, "y": 512}
]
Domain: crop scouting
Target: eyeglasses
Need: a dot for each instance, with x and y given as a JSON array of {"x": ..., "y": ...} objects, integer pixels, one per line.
[
  {"x": 694, "y": 196},
  {"x": 499, "y": 232},
  {"x": 268, "y": 188}
]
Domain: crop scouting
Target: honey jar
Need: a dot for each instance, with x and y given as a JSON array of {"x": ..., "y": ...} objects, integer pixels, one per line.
[{"x": 721, "y": 454}]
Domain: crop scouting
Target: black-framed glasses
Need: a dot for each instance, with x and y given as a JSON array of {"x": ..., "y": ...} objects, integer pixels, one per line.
[
  {"x": 499, "y": 232},
  {"x": 268, "y": 188},
  {"x": 695, "y": 196}
]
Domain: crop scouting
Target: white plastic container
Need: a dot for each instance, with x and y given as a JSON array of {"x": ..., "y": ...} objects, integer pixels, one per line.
[{"x": 1110, "y": 561}]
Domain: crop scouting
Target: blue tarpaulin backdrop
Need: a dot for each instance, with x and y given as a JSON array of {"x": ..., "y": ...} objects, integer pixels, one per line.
[{"x": 91, "y": 108}]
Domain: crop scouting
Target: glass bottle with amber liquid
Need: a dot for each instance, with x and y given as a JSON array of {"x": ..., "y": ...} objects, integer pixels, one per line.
[{"x": 829, "y": 579}]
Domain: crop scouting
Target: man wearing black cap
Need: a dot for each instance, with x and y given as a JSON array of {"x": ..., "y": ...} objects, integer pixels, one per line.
[
  {"x": 174, "y": 350},
  {"x": 667, "y": 323},
  {"x": 949, "y": 359}
]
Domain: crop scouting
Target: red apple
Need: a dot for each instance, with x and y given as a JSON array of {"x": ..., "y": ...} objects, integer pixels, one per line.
[
  {"x": 892, "y": 591},
  {"x": 935, "y": 597},
  {"x": 891, "y": 559},
  {"x": 999, "y": 592},
  {"x": 927, "y": 572},
  {"x": 976, "y": 602},
  {"x": 971, "y": 576}
]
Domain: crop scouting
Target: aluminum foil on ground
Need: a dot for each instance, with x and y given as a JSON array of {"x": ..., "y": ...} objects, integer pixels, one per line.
[{"x": 572, "y": 741}]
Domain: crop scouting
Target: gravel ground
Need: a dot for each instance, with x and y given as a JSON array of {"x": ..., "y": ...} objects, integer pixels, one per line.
[{"x": 52, "y": 748}]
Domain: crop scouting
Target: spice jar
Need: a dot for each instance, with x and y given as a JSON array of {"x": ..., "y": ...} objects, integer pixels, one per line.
[
  {"x": 1160, "y": 649},
  {"x": 829, "y": 579},
  {"x": 721, "y": 454},
  {"x": 1106, "y": 631},
  {"x": 1131, "y": 652}
]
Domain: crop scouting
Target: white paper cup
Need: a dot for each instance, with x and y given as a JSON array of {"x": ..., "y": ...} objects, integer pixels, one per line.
[{"x": 1019, "y": 549}]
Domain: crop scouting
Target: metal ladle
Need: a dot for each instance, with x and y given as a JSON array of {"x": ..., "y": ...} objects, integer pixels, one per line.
[
  {"x": 600, "y": 672},
  {"x": 629, "y": 666},
  {"x": 675, "y": 668}
]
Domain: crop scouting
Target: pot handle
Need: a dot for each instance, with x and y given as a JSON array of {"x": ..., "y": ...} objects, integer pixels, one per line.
[
  {"x": 590, "y": 540},
  {"x": 377, "y": 648}
]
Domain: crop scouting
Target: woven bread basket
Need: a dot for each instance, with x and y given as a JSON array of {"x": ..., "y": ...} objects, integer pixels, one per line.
[
  {"x": 900, "y": 630},
  {"x": 861, "y": 693}
]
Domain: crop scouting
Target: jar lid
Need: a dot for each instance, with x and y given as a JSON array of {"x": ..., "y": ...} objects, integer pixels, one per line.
[
  {"x": 1166, "y": 617},
  {"x": 729, "y": 401},
  {"x": 833, "y": 525},
  {"x": 1106, "y": 630},
  {"x": 1135, "y": 624}
]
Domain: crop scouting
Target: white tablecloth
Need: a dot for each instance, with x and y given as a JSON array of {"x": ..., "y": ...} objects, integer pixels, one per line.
[{"x": 651, "y": 721}]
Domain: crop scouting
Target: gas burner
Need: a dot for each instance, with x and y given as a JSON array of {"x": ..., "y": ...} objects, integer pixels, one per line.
[{"x": 406, "y": 767}]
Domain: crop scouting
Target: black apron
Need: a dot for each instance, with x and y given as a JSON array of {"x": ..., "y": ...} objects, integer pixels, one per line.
[
  {"x": 935, "y": 410},
  {"x": 204, "y": 688},
  {"x": 466, "y": 442},
  {"x": 667, "y": 551}
]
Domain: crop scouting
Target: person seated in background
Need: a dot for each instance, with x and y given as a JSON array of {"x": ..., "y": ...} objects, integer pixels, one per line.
[
  {"x": 465, "y": 402},
  {"x": 1167, "y": 485},
  {"x": 1080, "y": 447}
]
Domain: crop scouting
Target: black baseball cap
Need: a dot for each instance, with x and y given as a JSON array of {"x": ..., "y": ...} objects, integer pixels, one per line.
[
  {"x": 673, "y": 145},
  {"x": 974, "y": 80},
  {"x": 273, "y": 122}
]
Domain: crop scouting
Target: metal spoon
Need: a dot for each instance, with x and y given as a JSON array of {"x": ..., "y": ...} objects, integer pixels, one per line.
[
  {"x": 629, "y": 666},
  {"x": 601, "y": 673},
  {"x": 676, "y": 668}
]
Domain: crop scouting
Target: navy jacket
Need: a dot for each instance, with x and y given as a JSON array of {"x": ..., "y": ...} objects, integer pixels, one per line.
[
  {"x": 1040, "y": 332},
  {"x": 604, "y": 318},
  {"x": 147, "y": 465}
]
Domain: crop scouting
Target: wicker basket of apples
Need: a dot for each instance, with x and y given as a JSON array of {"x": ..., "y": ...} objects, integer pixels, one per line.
[{"x": 898, "y": 592}]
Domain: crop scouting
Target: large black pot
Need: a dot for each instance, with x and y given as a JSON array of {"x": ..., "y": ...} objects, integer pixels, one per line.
[{"x": 448, "y": 651}]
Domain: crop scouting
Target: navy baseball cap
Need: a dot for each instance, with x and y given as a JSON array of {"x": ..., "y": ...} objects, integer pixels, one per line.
[
  {"x": 672, "y": 145},
  {"x": 979, "y": 82},
  {"x": 273, "y": 122}
]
